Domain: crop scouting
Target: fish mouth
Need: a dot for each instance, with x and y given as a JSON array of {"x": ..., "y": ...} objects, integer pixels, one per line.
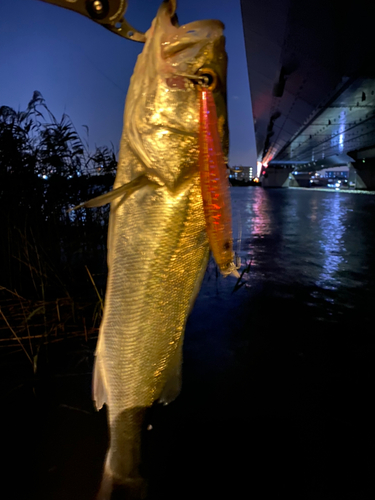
[
  {"x": 169, "y": 8},
  {"x": 169, "y": 20},
  {"x": 177, "y": 39},
  {"x": 194, "y": 26}
]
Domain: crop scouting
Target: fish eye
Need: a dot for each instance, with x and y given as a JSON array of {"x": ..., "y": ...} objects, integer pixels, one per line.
[{"x": 210, "y": 78}]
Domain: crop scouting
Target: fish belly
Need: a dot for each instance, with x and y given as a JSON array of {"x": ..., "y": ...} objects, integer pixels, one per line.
[{"x": 158, "y": 252}]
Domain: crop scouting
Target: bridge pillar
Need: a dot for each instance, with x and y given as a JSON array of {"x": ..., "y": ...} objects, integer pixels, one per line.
[
  {"x": 275, "y": 177},
  {"x": 301, "y": 179},
  {"x": 365, "y": 173}
]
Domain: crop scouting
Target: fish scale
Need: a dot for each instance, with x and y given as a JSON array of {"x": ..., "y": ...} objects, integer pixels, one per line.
[
  {"x": 136, "y": 367},
  {"x": 152, "y": 319}
]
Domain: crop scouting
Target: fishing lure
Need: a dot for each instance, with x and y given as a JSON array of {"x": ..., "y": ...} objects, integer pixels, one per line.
[{"x": 215, "y": 185}]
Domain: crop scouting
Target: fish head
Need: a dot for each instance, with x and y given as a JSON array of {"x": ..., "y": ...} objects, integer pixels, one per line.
[
  {"x": 163, "y": 97},
  {"x": 196, "y": 49}
]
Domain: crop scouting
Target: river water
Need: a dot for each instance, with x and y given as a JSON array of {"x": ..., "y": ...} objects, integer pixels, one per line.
[
  {"x": 278, "y": 374},
  {"x": 286, "y": 361}
]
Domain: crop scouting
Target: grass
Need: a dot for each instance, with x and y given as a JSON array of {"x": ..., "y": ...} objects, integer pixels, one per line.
[{"x": 51, "y": 285}]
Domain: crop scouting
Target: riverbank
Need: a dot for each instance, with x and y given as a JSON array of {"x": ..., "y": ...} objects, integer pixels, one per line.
[{"x": 331, "y": 190}]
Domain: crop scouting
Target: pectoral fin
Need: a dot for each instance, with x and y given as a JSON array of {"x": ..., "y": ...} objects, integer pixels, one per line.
[
  {"x": 103, "y": 199},
  {"x": 99, "y": 393},
  {"x": 172, "y": 387}
]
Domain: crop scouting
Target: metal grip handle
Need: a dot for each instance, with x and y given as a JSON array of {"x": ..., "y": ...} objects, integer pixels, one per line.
[{"x": 108, "y": 13}]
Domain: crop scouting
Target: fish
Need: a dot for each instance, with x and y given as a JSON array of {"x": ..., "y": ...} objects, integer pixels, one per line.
[{"x": 158, "y": 246}]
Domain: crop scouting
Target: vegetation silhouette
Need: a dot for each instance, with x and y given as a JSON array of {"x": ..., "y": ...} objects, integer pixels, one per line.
[{"x": 49, "y": 259}]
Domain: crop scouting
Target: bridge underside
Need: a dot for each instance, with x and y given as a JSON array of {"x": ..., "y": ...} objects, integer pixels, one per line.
[{"x": 312, "y": 81}]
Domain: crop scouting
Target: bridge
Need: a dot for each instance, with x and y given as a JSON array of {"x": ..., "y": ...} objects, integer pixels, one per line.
[{"x": 312, "y": 80}]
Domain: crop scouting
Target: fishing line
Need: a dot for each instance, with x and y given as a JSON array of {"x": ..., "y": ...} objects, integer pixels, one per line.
[{"x": 104, "y": 74}]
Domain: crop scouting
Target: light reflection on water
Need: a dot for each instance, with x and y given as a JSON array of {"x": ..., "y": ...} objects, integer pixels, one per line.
[
  {"x": 311, "y": 279},
  {"x": 296, "y": 346},
  {"x": 332, "y": 227},
  {"x": 251, "y": 218},
  {"x": 303, "y": 238},
  {"x": 258, "y": 208}
]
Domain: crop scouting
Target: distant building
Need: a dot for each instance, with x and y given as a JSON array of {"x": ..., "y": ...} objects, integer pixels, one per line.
[
  {"x": 335, "y": 173},
  {"x": 241, "y": 173},
  {"x": 338, "y": 177}
]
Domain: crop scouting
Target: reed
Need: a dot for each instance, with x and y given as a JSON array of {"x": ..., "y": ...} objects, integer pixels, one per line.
[{"x": 52, "y": 264}]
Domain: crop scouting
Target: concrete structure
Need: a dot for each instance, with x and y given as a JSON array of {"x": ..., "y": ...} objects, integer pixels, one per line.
[
  {"x": 312, "y": 82},
  {"x": 275, "y": 177}
]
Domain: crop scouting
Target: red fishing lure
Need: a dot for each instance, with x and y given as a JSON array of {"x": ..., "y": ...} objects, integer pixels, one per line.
[{"x": 215, "y": 185}]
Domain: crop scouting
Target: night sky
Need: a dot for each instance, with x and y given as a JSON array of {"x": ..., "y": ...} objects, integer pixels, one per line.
[{"x": 84, "y": 70}]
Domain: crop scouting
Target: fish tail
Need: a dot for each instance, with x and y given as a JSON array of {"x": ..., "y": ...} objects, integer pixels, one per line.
[
  {"x": 131, "y": 489},
  {"x": 123, "y": 469},
  {"x": 106, "y": 487}
]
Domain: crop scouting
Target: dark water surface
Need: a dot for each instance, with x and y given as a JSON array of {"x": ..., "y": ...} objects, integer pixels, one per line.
[
  {"x": 283, "y": 368},
  {"x": 278, "y": 383}
]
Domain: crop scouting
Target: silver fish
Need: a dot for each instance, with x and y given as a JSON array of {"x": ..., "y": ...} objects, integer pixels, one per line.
[{"x": 157, "y": 243}]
